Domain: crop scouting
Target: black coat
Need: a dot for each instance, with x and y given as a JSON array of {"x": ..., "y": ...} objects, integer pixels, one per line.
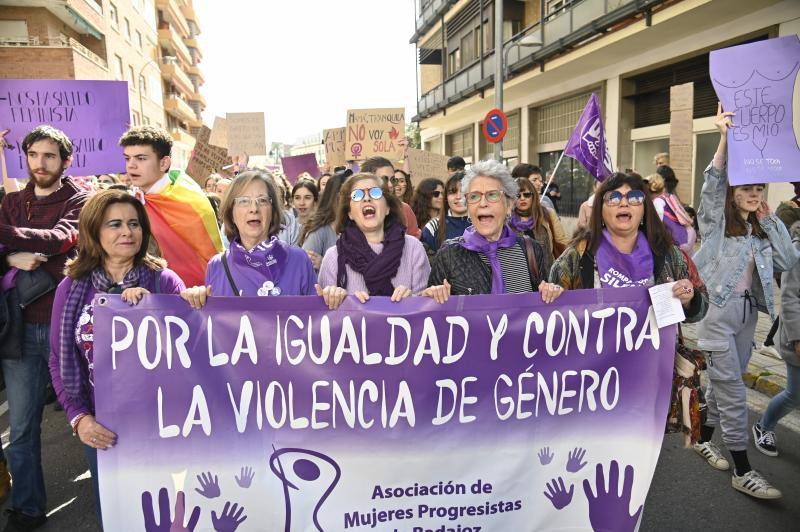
[{"x": 469, "y": 275}]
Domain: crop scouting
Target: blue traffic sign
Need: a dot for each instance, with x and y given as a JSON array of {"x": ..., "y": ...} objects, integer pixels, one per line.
[{"x": 495, "y": 125}]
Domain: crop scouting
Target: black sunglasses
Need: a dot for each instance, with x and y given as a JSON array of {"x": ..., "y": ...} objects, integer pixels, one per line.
[{"x": 526, "y": 195}]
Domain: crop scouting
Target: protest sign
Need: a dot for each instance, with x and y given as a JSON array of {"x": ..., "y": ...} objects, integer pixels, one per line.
[
  {"x": 93, "y": 114},
  {"x": 385, "y": 415},
  {"x": 206, "y": 159},
  {"x": 423, "y": 164},
  {"x": 756, "y": 82},
  {"x": 297, "y": 164},
  {"x": 334, "y": 147},
  {"x": 246, "y": 133},
  {"x": 681, "y": 135},
  {"x": 375, "y": 132},
  {"x": 219, "y": 133}
]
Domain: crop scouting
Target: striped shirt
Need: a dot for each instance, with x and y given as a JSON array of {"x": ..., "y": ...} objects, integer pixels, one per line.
[{"x": 514, "y": 266}]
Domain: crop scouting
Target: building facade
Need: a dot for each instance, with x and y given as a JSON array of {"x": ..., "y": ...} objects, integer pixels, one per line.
[
  {"x": 310, "y": 144},
  {"x": 127, "y": 40},
  {"x": 557, "y": 52}
]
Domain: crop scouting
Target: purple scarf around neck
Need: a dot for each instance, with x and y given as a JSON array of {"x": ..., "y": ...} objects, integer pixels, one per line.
[
  {"x": 518, "y": 224},
  {"x": 617, "y": 269},
  {"x": 267, "y": 258},
  {"x": 377, "y": 269},
  {"x": 475, "y": 241}
]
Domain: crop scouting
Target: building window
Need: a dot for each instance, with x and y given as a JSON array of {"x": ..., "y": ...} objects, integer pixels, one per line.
[
  {"x": 128, "y": 30},
  {"x": 488, "y": 41},
  {"x": 119, "y": 71},
  {"x": 454, "y": 62},
  {"x": 131, "y": 77},
  {"x": 139, "y": 40},
  {"x": 142, "y": 85},
  {"x": 146, "y": 120},
  {"x": 555, "y": 121},
  {"x": 135, "y": 118},
  {"x": 460, "y": 142},
  {"x": 468, "y": 52},
  {"x": 112, "y": 14}
]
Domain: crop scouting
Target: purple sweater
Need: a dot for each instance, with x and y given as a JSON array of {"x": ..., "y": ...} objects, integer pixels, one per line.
[
  {"x": 74, "y": 406},
  {"x": 297, "y": 277},
  {"x": 413, "y": 271}
]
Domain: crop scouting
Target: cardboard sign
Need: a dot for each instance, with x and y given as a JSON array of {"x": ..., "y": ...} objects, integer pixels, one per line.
[
  {"x": 219, "y": 133},
  {"x": 681, "y": 125},
  {"x": 206, "y": 159},
  {"x": 373, "y": 132},
  {"x": 297, "y": 164},
  {"x": 246, "y": 133},
  {"x": 757, "y": 82},
  {"x": 334, "y": 140},
  {"x": 93, "y": 114},
  {"x": 424, "y": 164}
]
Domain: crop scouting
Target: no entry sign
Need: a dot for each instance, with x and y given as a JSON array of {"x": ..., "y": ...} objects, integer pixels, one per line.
[{"x": 495, "y": 125}]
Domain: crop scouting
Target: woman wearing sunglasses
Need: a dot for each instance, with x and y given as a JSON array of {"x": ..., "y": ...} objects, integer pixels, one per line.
[
  {"x": 490, "y": 258},
  {"x": 451, "y": 222},
  {"x": 257, "y": 263},
  {"x": 401, "y": 186},
  {"x": 531, "y": 218},
  {"x": 627, "y": 245},
  {"x": 373, "y": 255},
  {"x": 428, "y": 200},
  {"x": 742, "y": 245}
]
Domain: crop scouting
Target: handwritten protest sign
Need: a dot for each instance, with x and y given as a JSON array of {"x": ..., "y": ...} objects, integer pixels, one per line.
[
  {"x": 681, "y": 136},
  {"x": 93, "y": 114},
  {"x": 424, "y": 164},
  {"x": 219, "y": 133},
  {"x": 297, "y": 164},
  {"x": 375, "y": 132},
  {"x": 246, "y": 133},
  {"x": 385, "y": 415},
  {"x": 206, "y": 159},
  {"x": 756, "y": 82},
  {"x": 334, "y": 147}
]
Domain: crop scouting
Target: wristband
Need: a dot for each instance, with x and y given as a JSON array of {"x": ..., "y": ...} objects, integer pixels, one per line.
[{"x": 74, "y": 423}]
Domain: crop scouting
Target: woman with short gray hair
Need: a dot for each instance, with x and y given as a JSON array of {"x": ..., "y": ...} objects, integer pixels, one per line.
[{"x": 489, "y": 258}]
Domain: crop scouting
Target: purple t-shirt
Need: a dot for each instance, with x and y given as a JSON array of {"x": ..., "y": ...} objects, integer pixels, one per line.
[
  {"x": 170, "y": 283},
  {"x": 297, "y": 277}
]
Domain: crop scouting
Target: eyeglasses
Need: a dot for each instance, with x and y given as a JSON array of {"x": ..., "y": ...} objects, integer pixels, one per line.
[
  {"x": 244, "y": 202},
  {"x": 360, "y": 194},
  {"x": 398, "y": 180},
  {"x": 614, "y": 198},
  {"x": 492, "y": 196},
  {"x": 526, "y": 195},
  {"x": 436, "y": 193}
]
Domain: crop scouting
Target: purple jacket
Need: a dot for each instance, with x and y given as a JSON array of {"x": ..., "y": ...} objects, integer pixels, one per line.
[
  {"x": 297, "y": 276},
  {"x": 74, "y": 406}
]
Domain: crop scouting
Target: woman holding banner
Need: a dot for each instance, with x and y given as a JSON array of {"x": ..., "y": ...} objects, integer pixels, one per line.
[
  {"x": 113, "y": 259},
  {"x": 742, "y": 245},
  {"x": 373, "y": 255},
  {"x": 257, "y": 263},
  {"x": 490, "y": 258}
]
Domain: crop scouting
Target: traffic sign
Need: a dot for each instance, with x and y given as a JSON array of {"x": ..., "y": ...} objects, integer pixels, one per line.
[{"x": 495, "y": 125}]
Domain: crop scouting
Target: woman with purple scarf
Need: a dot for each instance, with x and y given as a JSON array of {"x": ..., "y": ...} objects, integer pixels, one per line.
[
  {"x": 112, "y": 259},
  {"x": 373, "y": 255},
  {"x": 531, "y": 218},
  {"x": 489, "y": 258},
  {"x": 257, "y": 263}
]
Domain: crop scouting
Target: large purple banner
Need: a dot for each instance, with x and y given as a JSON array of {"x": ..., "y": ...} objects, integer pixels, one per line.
[
  {"x": 485, "y": 413},
  {"x": 93, "y": 114}
]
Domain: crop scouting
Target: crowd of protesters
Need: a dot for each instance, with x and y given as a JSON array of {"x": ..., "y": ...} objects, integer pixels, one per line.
[{"x": 381, "y": 231}]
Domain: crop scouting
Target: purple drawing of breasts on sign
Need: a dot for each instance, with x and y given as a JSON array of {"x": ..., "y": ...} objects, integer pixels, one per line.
[{"x": 758, "y": 82}]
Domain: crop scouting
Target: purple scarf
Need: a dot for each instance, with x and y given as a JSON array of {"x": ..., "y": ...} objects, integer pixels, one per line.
[
  {"x": 519, "y": 225},
  {"x": 475, "y": 241},
  {"x": 70, "y": 358},
  {"x": 617, "y": 269},
  {"x": 267, "y": 258},
  {"x": 353, "y": 250}
]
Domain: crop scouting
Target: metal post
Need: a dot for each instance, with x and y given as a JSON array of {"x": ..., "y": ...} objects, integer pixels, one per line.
[{"x": 498, "y": 68}]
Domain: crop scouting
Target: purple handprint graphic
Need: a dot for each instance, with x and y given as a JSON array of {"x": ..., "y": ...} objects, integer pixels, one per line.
[
  {"x": 558, "y": 494},
  {"x": 164, "y": 524},
  {"x": 246, "y": 478},
  {"x": 230, "y": 519},
  {"x": 545, "y": 456},
  {"x": 574, "y": 460},
  {"x": 209, "y": 485},
  {"x": 607, "y": 509}
]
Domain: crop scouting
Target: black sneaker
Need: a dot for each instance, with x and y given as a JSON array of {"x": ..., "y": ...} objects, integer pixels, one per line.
[
  {"x": 20, "y": 522},
  {"x": 764, "y": 440}
]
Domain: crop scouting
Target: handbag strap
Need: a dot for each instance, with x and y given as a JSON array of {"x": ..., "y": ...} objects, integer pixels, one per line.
[{"x": 228, "y": 274}]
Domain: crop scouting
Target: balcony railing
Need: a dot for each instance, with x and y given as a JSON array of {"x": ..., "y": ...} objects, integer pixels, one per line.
[
  {"x": 57, "y": 42},
  {"x": 562, "y": 30},
  {"x": 431, "y": 12}
]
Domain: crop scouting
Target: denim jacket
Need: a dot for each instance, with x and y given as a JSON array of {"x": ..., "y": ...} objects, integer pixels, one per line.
[{"x": 721, "y": 260}]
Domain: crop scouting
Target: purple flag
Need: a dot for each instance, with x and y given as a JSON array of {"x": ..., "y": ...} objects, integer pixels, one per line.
[
  {"x": 93, "y": 114},
  {"x": 420, "y": 414},
  {"x": 587, "y": 145},
  {"x": 297, "y": 164}
]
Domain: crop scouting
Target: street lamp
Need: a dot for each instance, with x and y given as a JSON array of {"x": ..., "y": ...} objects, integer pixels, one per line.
[{"x": 168, "y": 59}]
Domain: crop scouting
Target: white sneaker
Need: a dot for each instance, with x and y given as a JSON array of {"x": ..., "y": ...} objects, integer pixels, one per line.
[
  {"x": 754, "y": 484},
  {"x": 769, "y": 351},
  {"x": 712, "y": 454}
]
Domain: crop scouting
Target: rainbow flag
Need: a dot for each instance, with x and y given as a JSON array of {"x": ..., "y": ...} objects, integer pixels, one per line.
[{"x": 184, "y": 226}]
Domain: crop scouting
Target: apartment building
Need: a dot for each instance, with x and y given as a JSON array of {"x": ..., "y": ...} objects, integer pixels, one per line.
[
  {"x": 151, "y": 44},
  {"x": 557, "y": 52},
  {"x": 310, "y": 144}
]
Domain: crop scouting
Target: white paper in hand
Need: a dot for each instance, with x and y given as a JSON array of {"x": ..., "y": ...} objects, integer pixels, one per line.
[{"x": 667, "y": 307}]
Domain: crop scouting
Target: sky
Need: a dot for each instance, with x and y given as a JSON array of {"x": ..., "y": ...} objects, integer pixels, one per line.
[{"x": 305, "y": 62}]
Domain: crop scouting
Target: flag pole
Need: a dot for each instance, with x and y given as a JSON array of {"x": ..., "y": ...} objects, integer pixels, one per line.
[{"x": 553, "y": 174}]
